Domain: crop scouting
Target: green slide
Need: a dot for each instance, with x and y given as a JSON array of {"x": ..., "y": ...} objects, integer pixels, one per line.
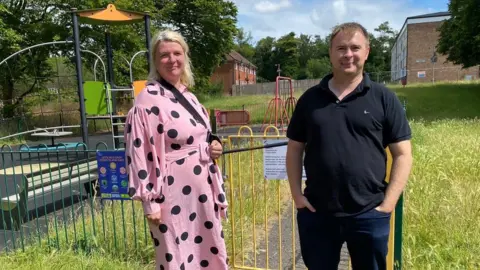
[{"x": 95, "y": 95}]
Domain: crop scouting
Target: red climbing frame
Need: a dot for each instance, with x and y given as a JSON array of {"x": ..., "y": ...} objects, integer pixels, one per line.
[{"x": 277, "y": 107}]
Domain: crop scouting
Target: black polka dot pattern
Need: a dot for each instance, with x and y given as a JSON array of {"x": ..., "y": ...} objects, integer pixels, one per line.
[
  {"x": 157, "y": 172},
  {"x": 197, "y": 170},
  {"x": 176, "y": 146},
  {"x": 208, "y": 225},
  {"x": 131, "y": 191},
  {"x": 170, "y": 180},
  {"x": 129, "y": 160},
  {"x": 198, "y": 239},
  {"x": 160, "y": 200},
  {"x": 203, "y": 198},
  {"x": 163, "y": 228},
  {"x": 137, "y": 142},
  {"x": 221, "y": 198},
  {"x": 129, "y": 128},
  {"x": 213, "y": 169},
  {"x": 176, "y": 210},
  {"x": 160, "y": 128},
  {"x": 168, "y": 257},
  {"x": 155, "y": 110},
  {"x": 149, "y": 186},
  {"x": 190, "y": 258},
  {"x": 150, "y": 157},
  {"x": 186, "y": 190},
  {"x": 156, "y": 242},
  {"x": 193, "y": 122},
  {"x": 182, "y": 266},
  {"x": 190, "y": 140},
  {"x": 180, "y": 161},
  {"x": 142, "y": 174},
  {"x": 184, "y": 236},
  {"x": 151, "y": 141},
  {"x": 175, "y": 114},
  {"x": 192, "y": 216},
  {"x": 204, "y": 263},
  {"x": 172, "y": 133},
  {"x": 214, "y": 250}
]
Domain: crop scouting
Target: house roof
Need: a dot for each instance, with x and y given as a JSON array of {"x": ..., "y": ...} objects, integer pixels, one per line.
[
  {"x": 429, "y": 15},
  {"x": 422, "y": 16},
  {"x": 235, "y": 56}
]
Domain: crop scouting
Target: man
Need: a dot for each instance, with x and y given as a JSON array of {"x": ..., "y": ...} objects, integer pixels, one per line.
[{"x": 344, "y": 125}]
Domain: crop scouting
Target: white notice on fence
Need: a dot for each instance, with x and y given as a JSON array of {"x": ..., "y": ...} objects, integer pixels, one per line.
[{"x": 274, "y": 167}]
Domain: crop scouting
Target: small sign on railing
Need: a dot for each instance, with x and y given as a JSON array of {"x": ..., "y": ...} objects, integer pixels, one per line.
[{"x": 112, "y": 175}]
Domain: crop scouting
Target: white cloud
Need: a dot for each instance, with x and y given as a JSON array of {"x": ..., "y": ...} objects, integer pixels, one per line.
[
  {"x": 268, "y": 6},
  {"x": 317, "y": 17}
]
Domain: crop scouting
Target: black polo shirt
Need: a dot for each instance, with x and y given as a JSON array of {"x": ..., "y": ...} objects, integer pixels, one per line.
[{"x": 345, "y": 157}]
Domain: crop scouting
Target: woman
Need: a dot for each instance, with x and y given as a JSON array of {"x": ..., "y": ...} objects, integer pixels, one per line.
[{"x": 170, "y": 163}]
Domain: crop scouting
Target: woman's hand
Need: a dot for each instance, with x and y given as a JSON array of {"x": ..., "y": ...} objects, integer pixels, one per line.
[
  {"x": 216, "y": 149},
  {"x": 155, "y": 218}
]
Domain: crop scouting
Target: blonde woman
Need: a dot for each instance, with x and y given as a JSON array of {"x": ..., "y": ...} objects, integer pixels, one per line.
[{"x": 170, "y": 155}]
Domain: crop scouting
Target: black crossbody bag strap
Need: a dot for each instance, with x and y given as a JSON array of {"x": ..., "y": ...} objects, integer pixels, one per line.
[{"x": 184, "y": 102}]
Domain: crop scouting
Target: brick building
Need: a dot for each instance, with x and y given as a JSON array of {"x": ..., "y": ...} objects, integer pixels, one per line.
[
  {"x": 414, "y": 50},
  {"x": 235, "y": 70}
]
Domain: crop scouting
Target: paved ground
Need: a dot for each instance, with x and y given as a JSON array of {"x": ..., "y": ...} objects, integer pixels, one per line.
[{"x": 290, "y": 255}]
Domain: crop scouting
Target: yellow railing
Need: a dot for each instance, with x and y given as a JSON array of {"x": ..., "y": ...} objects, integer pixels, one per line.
[{"x": 259, "y": 209}]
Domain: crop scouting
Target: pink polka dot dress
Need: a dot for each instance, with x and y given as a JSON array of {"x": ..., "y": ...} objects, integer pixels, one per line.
[{"x": 170, "y": 170}]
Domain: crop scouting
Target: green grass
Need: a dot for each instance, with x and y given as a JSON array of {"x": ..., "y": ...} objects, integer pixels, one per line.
[
  {"x": 442, "y": 199},
  {"x": 441, "y": 212}
]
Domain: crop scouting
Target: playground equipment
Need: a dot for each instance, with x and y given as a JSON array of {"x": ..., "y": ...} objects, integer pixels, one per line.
[
  {"x": 278, "y": 108},
  {"x": 98, "y": 99}
]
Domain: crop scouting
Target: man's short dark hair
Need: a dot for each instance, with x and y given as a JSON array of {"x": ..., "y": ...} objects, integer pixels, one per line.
[{"x": 349, "y": 27}]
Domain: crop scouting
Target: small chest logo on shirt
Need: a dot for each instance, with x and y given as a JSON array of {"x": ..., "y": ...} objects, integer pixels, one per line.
[{"x": 365, "y": 112}]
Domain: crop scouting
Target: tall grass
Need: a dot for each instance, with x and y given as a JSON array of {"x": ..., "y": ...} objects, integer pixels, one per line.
[{"x": 442, "y": 199}]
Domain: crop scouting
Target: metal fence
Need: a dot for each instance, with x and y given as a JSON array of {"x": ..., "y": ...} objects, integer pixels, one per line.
[{"x": 51, "y": 198}]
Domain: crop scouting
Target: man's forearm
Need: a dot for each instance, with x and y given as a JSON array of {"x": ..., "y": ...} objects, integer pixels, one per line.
[
  {"x": 294, "y": 172},
  {"x": 399, "y": 174}
]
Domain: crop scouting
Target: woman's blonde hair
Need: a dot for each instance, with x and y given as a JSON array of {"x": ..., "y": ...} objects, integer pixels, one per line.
[{"x": 172, "y": 36}]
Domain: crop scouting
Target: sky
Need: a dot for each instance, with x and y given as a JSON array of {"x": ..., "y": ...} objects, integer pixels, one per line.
[{"x": 276, "y": 18}]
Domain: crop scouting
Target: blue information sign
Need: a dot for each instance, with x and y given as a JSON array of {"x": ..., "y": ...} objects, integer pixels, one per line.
[{"x": 112, "y": 175}]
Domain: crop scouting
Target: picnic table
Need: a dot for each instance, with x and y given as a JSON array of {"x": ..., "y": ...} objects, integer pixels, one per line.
[{"x": 52, "y": 134}]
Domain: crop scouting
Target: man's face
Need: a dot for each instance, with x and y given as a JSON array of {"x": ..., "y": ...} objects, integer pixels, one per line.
[{"x": 348, "y": 52}]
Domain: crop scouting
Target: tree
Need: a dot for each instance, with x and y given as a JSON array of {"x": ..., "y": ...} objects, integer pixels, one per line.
[
  {"x": 243, "y": 44},
  {"x": 317, "y": 68},
  {"x": 460, "y": 35},
  {"x": 209, "y": 28},
  {"x": 263, "y": 58},
  {"x": 286, "y": 54}
]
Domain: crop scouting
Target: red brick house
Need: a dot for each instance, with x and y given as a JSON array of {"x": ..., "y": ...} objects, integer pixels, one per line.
[{"x": 235, "y": 70}]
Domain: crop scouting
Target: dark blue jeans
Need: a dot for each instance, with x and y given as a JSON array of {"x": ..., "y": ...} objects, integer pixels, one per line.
[{"x": 322, "y": 237}]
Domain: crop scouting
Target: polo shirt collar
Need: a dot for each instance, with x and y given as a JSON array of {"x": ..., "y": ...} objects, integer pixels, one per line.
[{"x": 365, "y": 84}]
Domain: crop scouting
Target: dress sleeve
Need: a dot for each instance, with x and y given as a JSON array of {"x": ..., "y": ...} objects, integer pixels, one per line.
[{"x": 145, "y": 154}]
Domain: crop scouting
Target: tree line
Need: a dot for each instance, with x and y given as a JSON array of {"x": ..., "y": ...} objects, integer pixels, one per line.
[
  {"x": 211, "y": 32},
  {"x": 306, "y": 56}
]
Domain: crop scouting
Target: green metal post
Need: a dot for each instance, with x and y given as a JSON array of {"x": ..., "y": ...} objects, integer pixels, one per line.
[{"x": 397, "y": 254}]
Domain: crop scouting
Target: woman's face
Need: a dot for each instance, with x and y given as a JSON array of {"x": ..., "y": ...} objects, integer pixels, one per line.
[{"x": 170, "y": 61}]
